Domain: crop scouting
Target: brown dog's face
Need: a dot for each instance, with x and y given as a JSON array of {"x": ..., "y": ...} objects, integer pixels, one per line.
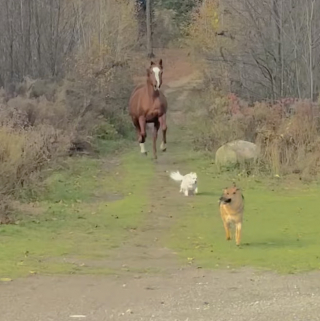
[
  {"x": 154, "y": 73},
  {"x": 229, "y": 193}
]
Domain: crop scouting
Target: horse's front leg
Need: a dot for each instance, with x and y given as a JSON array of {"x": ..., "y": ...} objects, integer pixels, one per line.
[
  {"x": 137, "y": 127},
  {"x": 155, "y": 136},
  {"x": 143, "y": 134},
  {"x": 163, "y": 125}
]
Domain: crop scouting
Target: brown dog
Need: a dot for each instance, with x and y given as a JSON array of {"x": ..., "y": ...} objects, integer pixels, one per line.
[{"x": 231, "y": 206}]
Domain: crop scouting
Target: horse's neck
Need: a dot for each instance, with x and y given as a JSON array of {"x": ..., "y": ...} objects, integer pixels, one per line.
[{"x": 153, "y": 94}]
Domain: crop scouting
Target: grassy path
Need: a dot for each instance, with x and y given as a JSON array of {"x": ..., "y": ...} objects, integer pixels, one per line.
[
  {"x": 124, "y": 217},
  {"x": 123, "y": 214},
  {"x": 97, "y": 216},
  {"x": 279, "y": 231}
]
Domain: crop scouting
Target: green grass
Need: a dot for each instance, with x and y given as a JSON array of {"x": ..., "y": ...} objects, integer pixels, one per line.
[
  {"x": 89, "y": 207},
  {"x": 281, "y": 218},
  {"x": 280, "y": 230},
  {"x": 91, "y": 204}
]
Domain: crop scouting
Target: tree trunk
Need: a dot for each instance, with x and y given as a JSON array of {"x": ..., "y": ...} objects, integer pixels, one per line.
[
  {"x": 278, "y": 36},
  {"x": 141, "y": 17},
  {"x": 149, "y": 29}
]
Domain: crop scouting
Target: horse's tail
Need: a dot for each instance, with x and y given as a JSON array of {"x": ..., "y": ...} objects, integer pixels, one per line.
[{"x": 176, "y": 176}]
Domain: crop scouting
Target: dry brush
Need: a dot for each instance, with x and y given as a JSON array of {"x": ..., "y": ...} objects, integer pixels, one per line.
[{"x": 66, "y": 74}]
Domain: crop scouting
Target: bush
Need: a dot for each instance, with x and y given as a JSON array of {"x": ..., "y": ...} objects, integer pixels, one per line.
[
  {"x": 42, "y": 119},
  {"x": 287, "y": 132}
]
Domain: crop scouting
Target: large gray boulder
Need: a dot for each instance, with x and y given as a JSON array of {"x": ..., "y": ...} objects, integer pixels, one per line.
[{"x": 237, "y": 151}]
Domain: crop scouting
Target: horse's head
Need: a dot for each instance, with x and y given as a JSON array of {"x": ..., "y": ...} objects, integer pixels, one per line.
[{"x": 154, "y": 74}]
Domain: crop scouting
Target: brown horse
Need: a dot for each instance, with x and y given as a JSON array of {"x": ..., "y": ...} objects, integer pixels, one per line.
[{"x": 148, "y": 104}]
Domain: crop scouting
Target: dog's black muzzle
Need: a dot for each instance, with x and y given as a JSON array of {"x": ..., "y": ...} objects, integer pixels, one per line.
[{"x": 224, "y": 200}]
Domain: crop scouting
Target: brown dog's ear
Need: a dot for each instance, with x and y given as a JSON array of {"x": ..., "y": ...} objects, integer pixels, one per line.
[{"x": 160, "y": 62}]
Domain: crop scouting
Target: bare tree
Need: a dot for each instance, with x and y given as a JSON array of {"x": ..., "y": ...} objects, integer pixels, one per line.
[
  {"x": 39, "y": 37},
  {"x": 149, "y": 28},
  {"x": 270, "y": 47}
]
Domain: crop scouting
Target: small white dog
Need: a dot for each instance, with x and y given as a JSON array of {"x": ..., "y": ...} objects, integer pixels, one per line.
[{"x": 188, "y": 182}]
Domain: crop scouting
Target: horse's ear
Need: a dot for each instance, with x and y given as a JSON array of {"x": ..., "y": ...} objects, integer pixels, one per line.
[
  {"x": 160, "y": 62},
  {"x": 151, "y": 63}
]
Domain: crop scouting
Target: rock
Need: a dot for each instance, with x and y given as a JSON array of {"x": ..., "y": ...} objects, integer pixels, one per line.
[{"x": 237, "y": 151}]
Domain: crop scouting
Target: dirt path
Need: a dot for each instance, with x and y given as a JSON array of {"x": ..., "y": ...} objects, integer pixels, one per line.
[
  {"x": 145, "y": 251},
  {"x": 168, "y": 289}
]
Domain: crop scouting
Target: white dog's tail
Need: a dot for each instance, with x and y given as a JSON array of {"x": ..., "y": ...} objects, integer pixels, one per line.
[{"x": 176, "y": 176}]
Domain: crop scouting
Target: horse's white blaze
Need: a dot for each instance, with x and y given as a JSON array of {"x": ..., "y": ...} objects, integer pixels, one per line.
[
  {"x": 156, "y": 71},
  {"x": 143, "y": 150}
]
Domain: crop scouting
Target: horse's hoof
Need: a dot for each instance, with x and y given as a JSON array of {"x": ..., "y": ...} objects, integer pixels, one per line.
[{"x": 163, "y": 147}]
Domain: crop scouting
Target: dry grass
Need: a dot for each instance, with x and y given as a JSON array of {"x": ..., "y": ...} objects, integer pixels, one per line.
[
  {"x": 288, "y": 131},
  {"x": 42, "y": 119},
  {"x": 23, "y": 154},
  {"x": 45, "y": 119}
]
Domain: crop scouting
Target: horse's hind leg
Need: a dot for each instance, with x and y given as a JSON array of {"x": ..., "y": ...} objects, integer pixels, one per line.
[
  {"x": 163, "y": 125},
  {"x": 143, "y": 134},
  {"x": 155, "y": 136}
]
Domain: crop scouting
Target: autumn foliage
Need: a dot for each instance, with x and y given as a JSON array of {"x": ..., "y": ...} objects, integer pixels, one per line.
[
  {"x": 204, "y": 26},
  {"x": 261, "y": 80},
  {"x": 74, "y": 88}
]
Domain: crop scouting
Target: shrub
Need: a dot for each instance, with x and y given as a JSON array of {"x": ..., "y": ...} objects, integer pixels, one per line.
[
  {"x": 42, "y": 119},
  {"x": 287, "y": 132}
]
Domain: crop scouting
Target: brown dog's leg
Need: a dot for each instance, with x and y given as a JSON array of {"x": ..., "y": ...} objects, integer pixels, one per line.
[
  {"x": 238, "y": 233},
  {"x": 155, "y": 135},
  {"x": 227, "y": 229},
  {"x": 163, "y": 124}
]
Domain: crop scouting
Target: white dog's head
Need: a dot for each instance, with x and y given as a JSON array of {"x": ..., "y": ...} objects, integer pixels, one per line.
[{"x": 193, "y": 178}]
